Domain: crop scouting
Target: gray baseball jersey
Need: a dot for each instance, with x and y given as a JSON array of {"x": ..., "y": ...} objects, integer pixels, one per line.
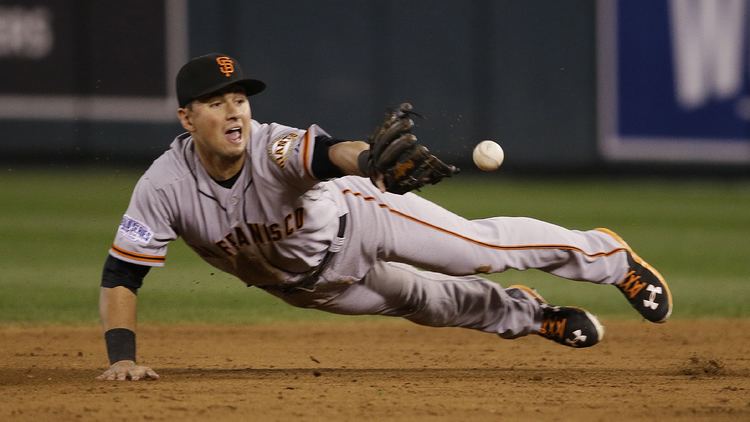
[
  {"x": 271, "y": 227},
  {"x": 278, "y": 225}
]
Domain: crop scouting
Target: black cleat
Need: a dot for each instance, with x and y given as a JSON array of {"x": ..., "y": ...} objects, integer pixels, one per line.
[
  {"x": 644, "y": 286},
  {"x": 569, "y": 326}
]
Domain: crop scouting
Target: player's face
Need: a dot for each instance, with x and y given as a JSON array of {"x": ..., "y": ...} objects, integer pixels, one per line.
[{"x": 220, "y": 124}]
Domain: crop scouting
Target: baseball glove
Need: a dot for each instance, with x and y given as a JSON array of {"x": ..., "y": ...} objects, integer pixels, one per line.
[{"x": 395, "y": 162}]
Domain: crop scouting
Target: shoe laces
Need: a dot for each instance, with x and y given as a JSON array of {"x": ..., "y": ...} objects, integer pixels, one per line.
[
  {"x": 553, "y": 323},
  {"x": 631, "y": 285}
]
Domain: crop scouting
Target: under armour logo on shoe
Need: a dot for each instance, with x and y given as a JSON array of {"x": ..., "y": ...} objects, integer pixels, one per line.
[
  {"x": 578, "y": 337},
  {"x": 651, "y": 301}
]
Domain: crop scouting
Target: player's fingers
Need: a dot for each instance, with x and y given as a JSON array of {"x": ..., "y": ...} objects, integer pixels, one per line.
[
  {"x": 151, "y": 374},
  {"x": 137, "y": 373},
  {"x": 103, "y": 376},
  {"x": 142, "y": 372}
]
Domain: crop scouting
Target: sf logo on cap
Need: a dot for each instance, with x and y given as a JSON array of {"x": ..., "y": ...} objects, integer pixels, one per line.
[{"x": 226, "y": 65}]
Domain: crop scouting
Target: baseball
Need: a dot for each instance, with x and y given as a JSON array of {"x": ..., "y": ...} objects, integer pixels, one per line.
[{"x": 488, "y": 155}]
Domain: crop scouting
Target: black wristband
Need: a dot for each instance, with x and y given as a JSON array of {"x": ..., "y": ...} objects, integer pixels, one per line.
[
  {"x": 322, "y": 166},
  {"x": 120, "y": 344},
  {"x": 363, "y": 162}
]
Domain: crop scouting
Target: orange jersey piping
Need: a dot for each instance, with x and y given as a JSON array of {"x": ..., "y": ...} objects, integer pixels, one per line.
[
  {"x": 306, "y": 154},
  {"x": 154, "y": 259},
  {"x": 479, "y": 242}
]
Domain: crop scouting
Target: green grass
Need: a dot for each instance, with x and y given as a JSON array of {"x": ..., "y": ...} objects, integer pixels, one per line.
[
  {"x": 694, "y": 232},
  {"x": 56, "y": 226}
]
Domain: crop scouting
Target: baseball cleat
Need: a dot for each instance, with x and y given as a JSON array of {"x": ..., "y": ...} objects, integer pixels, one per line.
[
  {"x": 567, "y": 325},
  {"x": 643, "y": 286}
]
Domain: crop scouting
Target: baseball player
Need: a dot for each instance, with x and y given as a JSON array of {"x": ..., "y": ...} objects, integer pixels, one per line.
[{"x": 330, "y": 224}]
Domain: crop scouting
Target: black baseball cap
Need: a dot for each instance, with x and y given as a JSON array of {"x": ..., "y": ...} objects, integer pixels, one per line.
[{"x": 211, "y": 73}]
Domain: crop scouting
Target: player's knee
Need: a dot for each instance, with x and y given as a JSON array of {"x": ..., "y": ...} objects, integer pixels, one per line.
[
  {"x": 400, "y": 286},
  {"x": 390, "y": 280}
]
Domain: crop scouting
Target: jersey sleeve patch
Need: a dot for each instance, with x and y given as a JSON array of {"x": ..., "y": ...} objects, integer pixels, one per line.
[
  {"x": 134, "y": 230},
  {"x": 280, "y": 148}
]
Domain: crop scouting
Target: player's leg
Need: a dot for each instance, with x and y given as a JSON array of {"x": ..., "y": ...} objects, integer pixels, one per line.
[
  {"x": 438, "y": 300},
  {"x": 434, "y": 299},
  {"x": 409, "y": 229}
]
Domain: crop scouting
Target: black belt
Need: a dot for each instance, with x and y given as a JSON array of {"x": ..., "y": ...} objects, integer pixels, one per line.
[{"x": 308, "y": 282}]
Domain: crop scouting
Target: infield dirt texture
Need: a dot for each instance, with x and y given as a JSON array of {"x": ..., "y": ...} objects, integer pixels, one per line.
[
  {"x": 226, "y": 352},
  {"x": 684, "y": 370}
]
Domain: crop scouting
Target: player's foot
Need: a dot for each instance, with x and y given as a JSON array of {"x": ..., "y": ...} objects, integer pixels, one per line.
[
  {"x": 569, "y": 326},
  {"x": 643, "y": 286}
]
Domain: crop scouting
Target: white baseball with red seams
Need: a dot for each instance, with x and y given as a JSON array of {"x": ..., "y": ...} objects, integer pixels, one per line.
[
  {"x": 277, "y": 222},
  {"x": 488, "y": 155}
]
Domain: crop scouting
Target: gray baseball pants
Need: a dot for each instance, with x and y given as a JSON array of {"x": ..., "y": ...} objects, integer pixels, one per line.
[{"x": 408, "y": 257}]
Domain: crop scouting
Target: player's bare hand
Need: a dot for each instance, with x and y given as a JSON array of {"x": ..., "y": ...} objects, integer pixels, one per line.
[{"x": 128, "y": 370}]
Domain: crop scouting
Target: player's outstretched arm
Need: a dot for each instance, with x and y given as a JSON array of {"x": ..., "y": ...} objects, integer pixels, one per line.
[
  {"x": 117, "y": 310},
  {"x": 344, "y": 155},
  {"x": 395, "y": 161}
]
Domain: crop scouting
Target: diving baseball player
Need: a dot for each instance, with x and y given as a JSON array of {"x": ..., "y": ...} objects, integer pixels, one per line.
[{"x": 330, "y": 224}]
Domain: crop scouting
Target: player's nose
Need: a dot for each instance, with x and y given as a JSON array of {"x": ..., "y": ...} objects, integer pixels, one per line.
[{"x": 232, "y": 111}]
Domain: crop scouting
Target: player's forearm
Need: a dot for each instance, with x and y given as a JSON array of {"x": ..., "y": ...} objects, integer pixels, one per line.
[
  {"x": 117, "y": 308},
  {"x": 344, "y": 156}
]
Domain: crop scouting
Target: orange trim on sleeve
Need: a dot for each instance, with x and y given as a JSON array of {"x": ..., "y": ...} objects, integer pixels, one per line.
[
  {"x": 154, "y": 259},
  {"x": 306, "y": 155},
  {"x": 479, "y": 242}
]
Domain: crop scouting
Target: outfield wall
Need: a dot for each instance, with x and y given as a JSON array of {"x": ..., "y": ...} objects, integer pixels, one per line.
[{"x": 91, "y": 81}]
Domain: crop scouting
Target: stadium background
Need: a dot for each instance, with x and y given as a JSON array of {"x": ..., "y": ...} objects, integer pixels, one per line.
[
  {"x": 477, "y": 70},
  {"x": 89, "y": 82}
]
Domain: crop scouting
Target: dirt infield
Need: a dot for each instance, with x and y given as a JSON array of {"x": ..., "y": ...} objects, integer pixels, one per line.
[{"x": 381, "y": 370}]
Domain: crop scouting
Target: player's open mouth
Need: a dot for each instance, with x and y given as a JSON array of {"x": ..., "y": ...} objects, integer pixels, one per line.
[{"x": 233, "y": 135}]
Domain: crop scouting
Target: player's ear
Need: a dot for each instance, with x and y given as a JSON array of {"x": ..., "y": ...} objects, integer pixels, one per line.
[{"x": 183, "y": 113}]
